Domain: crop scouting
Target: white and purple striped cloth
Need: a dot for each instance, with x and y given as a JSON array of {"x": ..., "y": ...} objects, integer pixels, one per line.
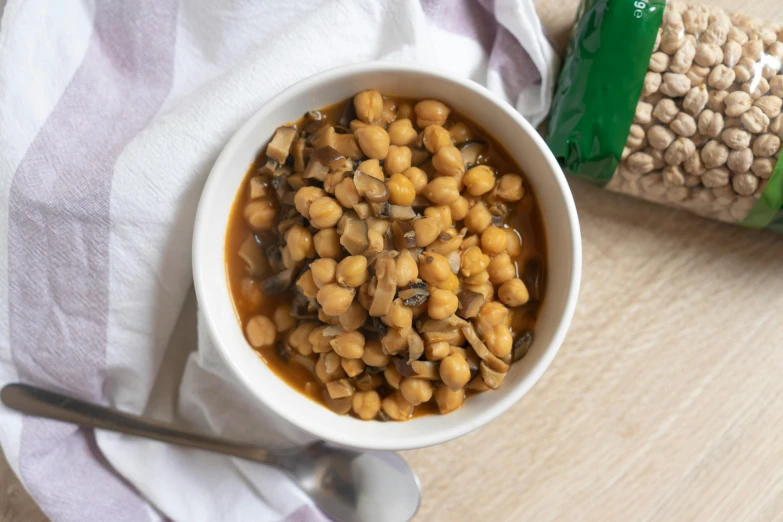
[{"x": 111, "y": 115}]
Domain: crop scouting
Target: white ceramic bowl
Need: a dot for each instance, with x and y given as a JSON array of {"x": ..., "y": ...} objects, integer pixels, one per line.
[{"x": 542, "y": 172}]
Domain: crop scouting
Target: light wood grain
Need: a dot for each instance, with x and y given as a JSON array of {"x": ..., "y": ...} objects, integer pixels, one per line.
[{"x": 665, "y": 402}]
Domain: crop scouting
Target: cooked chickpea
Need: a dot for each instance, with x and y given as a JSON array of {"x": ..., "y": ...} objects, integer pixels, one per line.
[
  {"x": 513, "y": 293},
  {"x": 417, "y": 177},
  {"x": 478, "y": 279},
  {"x": 325, "y": 212},
  {"x": 454, "y": 371},
  {"x": 494, "y": 240},
  {"x": 397, "y": 160},
  {"x": 328, "y": 368},
  {"x": 392, "y": 376},
  {"x": 374, "y": 141},
  {"x": 282, "y": 318},
  {"x": 307, "y": 284},
  {"x": 501, "y": 269},
  {"x": 500, "y": 342},
  {"x": 460, "y": 133},
  {"x": 393, "y": 341},
  {"x": 437, "y": 351},
  {"x": 416, "y": 391},
  {"x": 366, "y": 404},
  {"x": 401, "y": 190},
  {"x": 260, "y": 331},
  {"x": 431, "y": 112},
  {"x": 299, "y": 241},
  {"x": 260, "y": 214},
  {"x": 352, "y": 271},
  {"x": 368, "y": 105},
  {"x": 478, "y": 218},
  {"x": 474, "y": 261},
  {"x": 511, "y": 188},
  {"x": 436, "y": 137},
  {"x": 514, "y": 247},
  {"x": 407, "y": 269},
  {"x": 305, "y": 196},
  {"x": 396, "y": 407},
  {"x": 374, "y": 355},
  {"x": 250, "y": 292},
  {"x": 440, "y": 212},
  {"x": 451, "y": 283},
  {"x": 323, "y": 270},
  {"x": 427, "y": 230},
  {"x": 479, "y": 180},
  {"x": 449, "y": 400},
  {"x": 298, "y": 339},
  {"x": 401, "y": 132},
  {"x": 448, "y": 161},
  {"x": 485, "y": 289},
  {"x": 433, "y": 267},
  {"x": 441, "y": 304},
  {"x": 349, "y": 345},
  {"x": 319, "y": 341},
  {"x": 334, "y": 299},
  {"x": 346, "y": 193},
  {"x": 445, "y": 246},
  {"x": 371, "y": 167},
  {"x": 327, "y": 243},
  {"x": 491, "y": 315},
  {"x": 459, "y": 208},
  {"x": 442, "y": 191},
  {"x": 399, "y": 316}
]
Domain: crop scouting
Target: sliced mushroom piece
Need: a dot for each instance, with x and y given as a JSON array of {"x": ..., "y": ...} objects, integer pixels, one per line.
[
  {"x": 426, "y": 369},
  {"x": 522, "y": 345},
  {"x": 347, "y": 114},
  {"x": 283, "y": 351},
  {"x": 469, "y": 303},
  {"x": 296, "y": 181},
  {"x": 280, "y": 145},
  {"x": 253, "y": 257},
  {"x": 420, "y": 202},
  {"x": 283, "y": 171},
  {"x": 419, "y": 156},
  {"x": 404, "y": 367},
  {"x": 353, "y": 233},
  {"x": 339, "y": 389},
  {"x": 324, "y": 137},
  {"x": 347, "y": 145},
  {"x": 493, "y": 379},
  {"x": 304, "y": 361},
  {"x": 498, "y": 210},
  {"x": 472, "y": 152},
  {"x": 531, "y": 276},
  {"x": 415, "y": 346},
  {"x": 304, "y": 307},
  {"x": 362, "y": 210},
  {"x": 386, "y": 273},
  {"x": 404, "y": 235},
  {"x": 340, "y": 406},
  {"x": 269, "y": 167},
  {"x": 402, "y": 213},
  {"x": 414, "y": 295},
  {"x": 278, "y": 283},
  {"x": 375, "y": 325},
  {"x": 297, "y": 152},
  {"x": 381, "y": 210},
  {"x": 370, "y": 188},
  {"x": 316, "y": 170},
  {"x": 482, "y": 351},
  {"x": 329, "y": 156},
  {"x": 455, "y": 261},
  {"x": 369, "y": 381}
]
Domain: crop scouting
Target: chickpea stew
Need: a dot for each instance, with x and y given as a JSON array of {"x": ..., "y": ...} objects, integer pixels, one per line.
[{"x": 386, "y": 258}]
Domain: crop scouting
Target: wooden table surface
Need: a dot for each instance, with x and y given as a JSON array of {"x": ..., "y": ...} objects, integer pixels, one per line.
[{"x": 666, "y": 400}]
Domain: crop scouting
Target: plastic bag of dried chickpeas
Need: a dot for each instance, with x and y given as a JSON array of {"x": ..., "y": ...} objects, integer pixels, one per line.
[{"x": 677, "y": 103}]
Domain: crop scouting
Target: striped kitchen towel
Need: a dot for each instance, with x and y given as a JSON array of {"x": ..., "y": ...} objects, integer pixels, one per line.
[{"x": 111, "y": 115}]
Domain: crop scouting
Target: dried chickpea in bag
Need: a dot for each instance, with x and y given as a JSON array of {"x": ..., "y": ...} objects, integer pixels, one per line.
[{"x": 680, "y": 104}]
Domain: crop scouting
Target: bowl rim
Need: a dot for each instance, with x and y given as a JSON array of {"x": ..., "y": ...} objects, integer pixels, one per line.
[{"x": 504, "y": 402}]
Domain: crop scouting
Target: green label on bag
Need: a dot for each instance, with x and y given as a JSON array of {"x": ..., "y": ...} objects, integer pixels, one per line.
[
  {"x": 600, "y": 84},
  {"x": 766, "y": 213}
]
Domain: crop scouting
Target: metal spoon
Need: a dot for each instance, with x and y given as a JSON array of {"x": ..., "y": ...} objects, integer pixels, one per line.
[{"x": 347, "y": 485}]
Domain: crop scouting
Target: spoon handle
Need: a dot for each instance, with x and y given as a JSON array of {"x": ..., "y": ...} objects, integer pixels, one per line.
[{"x": 43, "y": 403}]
